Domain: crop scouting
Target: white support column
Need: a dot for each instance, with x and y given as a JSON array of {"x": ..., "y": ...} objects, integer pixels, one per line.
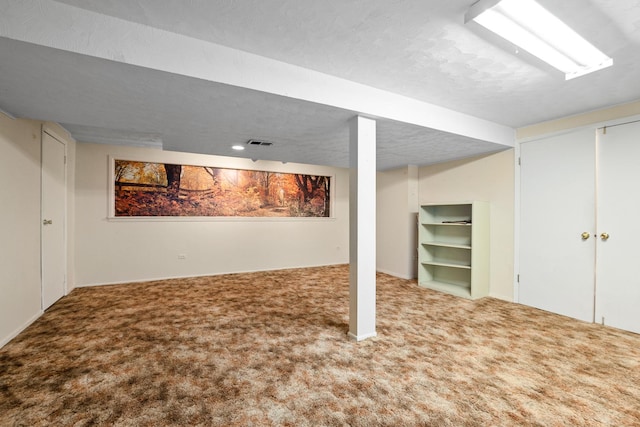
[{"x": 362, "y": 228}]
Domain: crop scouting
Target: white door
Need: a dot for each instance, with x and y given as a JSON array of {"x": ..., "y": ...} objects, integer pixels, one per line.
[
  {"x": 618, "y": 280},
  {"x": 557, "y": 195},
  {"x": 53, "y": 220}
]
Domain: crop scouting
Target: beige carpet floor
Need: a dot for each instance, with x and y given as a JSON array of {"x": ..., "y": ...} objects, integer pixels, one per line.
[{"x": 270, "y": 349}]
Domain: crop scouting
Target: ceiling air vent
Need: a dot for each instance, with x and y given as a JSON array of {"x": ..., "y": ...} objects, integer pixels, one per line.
[{"x": 259, "y": 142}]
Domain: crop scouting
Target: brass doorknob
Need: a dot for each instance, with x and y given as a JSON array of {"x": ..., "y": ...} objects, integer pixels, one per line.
[
  {"x": 585, "y": 235},
  {"x": 604, "y": 236}
]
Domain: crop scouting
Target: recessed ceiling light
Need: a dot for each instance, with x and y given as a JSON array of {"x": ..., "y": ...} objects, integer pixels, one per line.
[
  {"x": 530, "y": 26},
  {"x": 238, "y": 147}
]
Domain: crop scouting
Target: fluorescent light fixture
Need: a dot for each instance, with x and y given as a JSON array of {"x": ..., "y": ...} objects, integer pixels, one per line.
[
  {"x": 531, "y": 27},
  {"x": 238, "y": 147}
]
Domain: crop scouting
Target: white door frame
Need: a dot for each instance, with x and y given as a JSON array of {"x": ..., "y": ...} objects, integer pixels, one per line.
[
  {"x": 558, "y": 130},
  {"x": 55, "y": 135}
]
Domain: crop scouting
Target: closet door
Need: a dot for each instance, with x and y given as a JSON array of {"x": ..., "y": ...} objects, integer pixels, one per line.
[
  {"x": 53, "y": 248},
  {"x": 557, "y": 206},
  {"x": 618, "y": 256}
]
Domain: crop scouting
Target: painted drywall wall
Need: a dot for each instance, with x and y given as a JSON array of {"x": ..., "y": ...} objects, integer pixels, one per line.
[
  {"x": 581, "y": 120},
  {"x": 20, "y": 160},
  {"x": 20, "y": 225},
  {"x": 127, "y": 250},
  {"x": 397, "y": 207},
  {"x": 486, "y": 178}
]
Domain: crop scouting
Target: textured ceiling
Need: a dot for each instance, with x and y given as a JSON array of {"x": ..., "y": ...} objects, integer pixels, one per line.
[
  {"x": 420, "y": 49},
  {"x": 114, "y": 103}
]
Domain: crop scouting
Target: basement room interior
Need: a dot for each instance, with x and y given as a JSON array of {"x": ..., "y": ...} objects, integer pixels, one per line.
[{"x": 338, "y": 213}]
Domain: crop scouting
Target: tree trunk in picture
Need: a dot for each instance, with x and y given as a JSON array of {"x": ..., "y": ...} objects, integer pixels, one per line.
[
  {"x": 310, "y": 186},
  {"x": 327, "y": 197},
  {"x": 214, "y": 174},
  {"x": 303, "y": 181},
  {"x": 264, "y": 179},
  {"x": 173, "y": 179}
]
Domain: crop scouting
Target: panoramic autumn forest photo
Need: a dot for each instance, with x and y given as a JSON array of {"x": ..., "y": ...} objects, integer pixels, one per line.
[{"x": 161, "y": 189}]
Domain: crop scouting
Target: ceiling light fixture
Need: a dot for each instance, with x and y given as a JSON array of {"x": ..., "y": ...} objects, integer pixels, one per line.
[
  {"x": 238, "y": 147},
  {"x": 531, "y": 27}
]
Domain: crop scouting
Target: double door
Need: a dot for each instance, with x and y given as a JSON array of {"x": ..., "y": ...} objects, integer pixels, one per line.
[{"x": 580, "y": 199}]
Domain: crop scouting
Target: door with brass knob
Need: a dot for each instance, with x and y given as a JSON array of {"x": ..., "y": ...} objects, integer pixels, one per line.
[
  {"x": 557, "y": 251},
  {"x": 566, "y": 267},
  {"x": 617, "y": 281}
]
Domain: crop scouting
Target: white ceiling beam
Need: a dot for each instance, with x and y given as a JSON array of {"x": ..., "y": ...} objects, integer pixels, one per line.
[{"x": 60, "y": 26}]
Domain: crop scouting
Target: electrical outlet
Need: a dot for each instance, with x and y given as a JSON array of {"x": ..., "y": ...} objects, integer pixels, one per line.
[{"x": 182, "y": 256}]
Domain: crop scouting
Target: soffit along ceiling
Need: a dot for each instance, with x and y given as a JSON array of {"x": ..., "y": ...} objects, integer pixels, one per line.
[{"x": 387, "y": 53}]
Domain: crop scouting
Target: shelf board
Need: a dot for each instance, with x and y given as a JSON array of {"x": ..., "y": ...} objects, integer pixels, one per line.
[
  {"x": 447, "y": 245},
  {"x": 447, "y": 224},
  {"x": 447, "y": 264},
  {"x": 450, "y": 288}
]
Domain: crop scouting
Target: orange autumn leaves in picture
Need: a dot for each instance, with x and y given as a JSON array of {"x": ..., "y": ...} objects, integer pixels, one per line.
[{"x": 145, "y": 189}]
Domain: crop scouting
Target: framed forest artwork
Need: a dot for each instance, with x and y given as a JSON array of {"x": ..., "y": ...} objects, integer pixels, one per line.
[{"x": 154, "y": 190}]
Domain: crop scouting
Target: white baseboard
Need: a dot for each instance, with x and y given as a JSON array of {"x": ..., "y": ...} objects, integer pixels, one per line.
[
  {"x": 153, "y": 279},
  {"x": 143, "y": 280},
  {"x": 361, "y": 337},
  {"x": 394, "y": 274},
  {"x": 501, "y": 297},
  {"x": 15, "y": 333}
]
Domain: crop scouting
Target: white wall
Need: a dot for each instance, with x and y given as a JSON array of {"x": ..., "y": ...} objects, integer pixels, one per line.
[
  {"x": 486, "y": 178},
  {"x": 605, "y": 115},
  {"x": 20, "y": 285},
  {"x": 123, "y": 250},
  {"x": 397, "y": 207},
  {"x": 20, "y": 225}
]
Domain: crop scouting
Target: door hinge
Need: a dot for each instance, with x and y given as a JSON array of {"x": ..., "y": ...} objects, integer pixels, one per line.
[
  {"x": 65, "y": 159},
  {"x": 518, "y": 278},
  {"x": 519, "y": 161}
]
